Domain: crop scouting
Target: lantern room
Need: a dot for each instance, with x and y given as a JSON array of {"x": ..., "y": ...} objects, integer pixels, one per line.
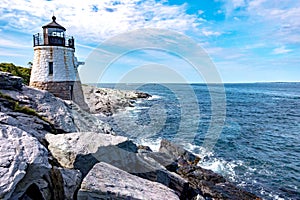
[{"x": 53, "y": 35}]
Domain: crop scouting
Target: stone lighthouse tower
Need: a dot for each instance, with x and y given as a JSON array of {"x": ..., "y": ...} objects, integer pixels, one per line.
[{"x": 55, "y": 66}]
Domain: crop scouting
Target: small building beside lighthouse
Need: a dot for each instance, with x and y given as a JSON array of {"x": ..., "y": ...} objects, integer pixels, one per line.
[{"x": 55, "y": 65}]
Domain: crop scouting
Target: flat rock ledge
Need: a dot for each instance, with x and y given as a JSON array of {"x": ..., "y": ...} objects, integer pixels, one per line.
[{"x": 105, "y": 181}]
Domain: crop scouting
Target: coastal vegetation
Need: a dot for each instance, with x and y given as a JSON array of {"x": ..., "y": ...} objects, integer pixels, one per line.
[{"x": 23, "y": 72}]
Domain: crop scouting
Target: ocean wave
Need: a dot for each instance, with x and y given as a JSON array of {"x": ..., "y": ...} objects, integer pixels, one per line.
[
  {"x": 154, "y": 144},
  {"x": 153, "y": 97}
]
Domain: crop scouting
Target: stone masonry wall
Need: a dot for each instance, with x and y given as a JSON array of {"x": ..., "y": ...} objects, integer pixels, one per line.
[
  {"x": 58, "y": 89},
  {"x": 64, "y": 64},
  {"x": 62, "y": 90}
]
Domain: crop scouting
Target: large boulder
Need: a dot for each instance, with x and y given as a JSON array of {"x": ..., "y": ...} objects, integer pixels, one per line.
[
  {"x": 10, "y": 82},
  {"x": 178, "y": 153},
  {"x": 25, "y": 171},
  {"x": 72, "y": 147},
  {"x": 23, "y": 160},
  {"x": 83, "y": 150},
  {"x": 105, "y": 181}
]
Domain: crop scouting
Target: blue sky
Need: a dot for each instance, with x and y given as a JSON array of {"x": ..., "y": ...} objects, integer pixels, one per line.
[{"x": 246, "y": 40}]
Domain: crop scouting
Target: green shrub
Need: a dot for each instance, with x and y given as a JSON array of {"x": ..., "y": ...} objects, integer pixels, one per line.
[{"x": 17, "y": 71}]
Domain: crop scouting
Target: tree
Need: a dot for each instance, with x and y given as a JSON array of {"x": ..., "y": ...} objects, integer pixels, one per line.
[{"x": 29, "y": 64}]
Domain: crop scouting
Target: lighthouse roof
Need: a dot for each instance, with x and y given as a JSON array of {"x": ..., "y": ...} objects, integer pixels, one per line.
[{"x": 54, "y": 24}]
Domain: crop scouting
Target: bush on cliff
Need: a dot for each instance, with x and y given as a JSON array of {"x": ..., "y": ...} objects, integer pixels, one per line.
[{"x": 16, "y": 71}]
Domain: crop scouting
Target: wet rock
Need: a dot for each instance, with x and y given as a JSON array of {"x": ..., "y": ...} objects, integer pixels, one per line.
[
  {"x": 105, "y": 181},
  {"x": 178, "y": 153},
  {"x": 143, "y": 95},
  {"x": 143, "y": 149},
  {"x": 212, "y": 185}
]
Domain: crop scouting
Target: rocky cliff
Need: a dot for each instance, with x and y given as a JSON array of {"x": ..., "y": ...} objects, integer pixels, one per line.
[{"x": 52, "y": 149}]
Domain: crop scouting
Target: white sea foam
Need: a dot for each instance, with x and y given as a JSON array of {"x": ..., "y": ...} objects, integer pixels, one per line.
[
  {"x": 154, "y": 144},
  {"x": 154, "y": 97},
  {"x": 130, "y": 108},
  {"x": 271, "y": 195},
  {"x": 142, "y": 107},
  {"x": 138, "y": 101},
  {"x": 218, "y": 165},
  {"x": 208, "y": 160}
]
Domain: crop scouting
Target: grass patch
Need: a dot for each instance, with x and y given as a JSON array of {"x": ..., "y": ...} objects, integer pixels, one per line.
[{"x": 17, "y": 108}]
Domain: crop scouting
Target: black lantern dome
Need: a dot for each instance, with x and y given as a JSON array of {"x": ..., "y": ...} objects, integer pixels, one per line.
[
  {"x": 54, "y": 25},
  {"x": 53, "y": 35}
]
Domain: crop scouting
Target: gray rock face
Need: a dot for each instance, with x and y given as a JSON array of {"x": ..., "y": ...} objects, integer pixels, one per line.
[
  {"x": 109, "y": 101},
  {"x": 68, "y": 148},
  {"x": 64, "y": 115},
  {"x": 71, "y": 182},
  {"x": 30, "y": 124},
  {"x": 83, "y": 150},
  {"x": 18, "y": 152},
  {"x": 10, "y": 82},
  {"x": 105, "y": 181}
]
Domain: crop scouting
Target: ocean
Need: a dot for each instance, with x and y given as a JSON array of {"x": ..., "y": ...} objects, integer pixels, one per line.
[{"x": 258, "y": 147}]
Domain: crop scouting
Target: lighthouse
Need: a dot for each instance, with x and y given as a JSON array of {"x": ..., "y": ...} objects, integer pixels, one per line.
[{"x": 55, "y": 65}]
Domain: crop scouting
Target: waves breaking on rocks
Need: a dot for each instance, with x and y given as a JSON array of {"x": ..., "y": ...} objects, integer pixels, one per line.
[{"x": 52, "y": 149}]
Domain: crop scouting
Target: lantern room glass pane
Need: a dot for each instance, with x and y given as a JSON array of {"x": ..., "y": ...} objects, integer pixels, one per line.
[{"x": 55, "y": 32}]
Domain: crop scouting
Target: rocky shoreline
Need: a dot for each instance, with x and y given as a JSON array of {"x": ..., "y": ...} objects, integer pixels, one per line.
[
  {"x": 110, "y": 101},
  {"x": 52, "y": 149}
]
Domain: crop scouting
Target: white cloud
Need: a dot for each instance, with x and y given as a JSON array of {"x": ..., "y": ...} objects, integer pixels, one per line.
[
  {"x": 238, "y": 3},
  {"x": 96, "y": 20},
  {"x": 200, "y": 12},
  {"x": 278, "y": 17},
  {"x": 10, "y": 54},
  {"x": 281, "y": 50},
  {"x": 255, "y": 45},
  {"x": 230, "y": 6},
  {"x": 273, "y": 22},
  {"x": 10, "y": 43},
  {"x": 256, "y": 3},
  {"x": 211, "y": 33}
]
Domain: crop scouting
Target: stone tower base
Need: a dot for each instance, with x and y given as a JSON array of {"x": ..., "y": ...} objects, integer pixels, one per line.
[
  {"x": 59, "y": 89},
  {"x": 67, "y": 90}
]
